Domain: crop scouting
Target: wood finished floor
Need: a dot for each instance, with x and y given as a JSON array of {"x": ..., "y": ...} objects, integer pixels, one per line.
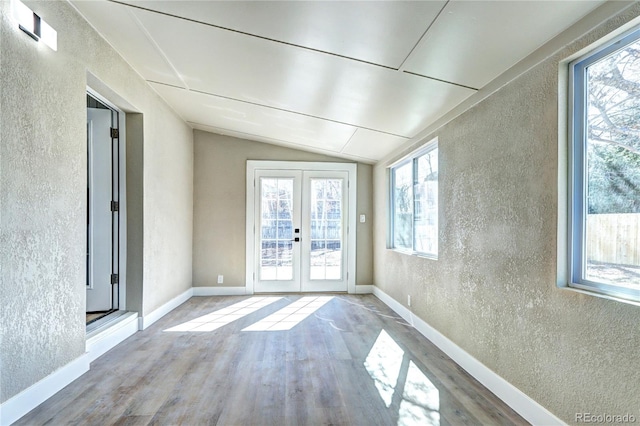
[{"x": 351, "y": 362}]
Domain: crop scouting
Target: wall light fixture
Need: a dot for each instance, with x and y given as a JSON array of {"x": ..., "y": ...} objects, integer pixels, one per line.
[{"x": 34, "y": 26}]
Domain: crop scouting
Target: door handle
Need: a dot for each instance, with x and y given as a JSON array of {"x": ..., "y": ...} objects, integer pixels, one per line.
[{"x": 296, "y": 239}]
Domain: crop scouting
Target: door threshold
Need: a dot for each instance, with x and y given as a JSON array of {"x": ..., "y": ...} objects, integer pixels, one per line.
[
  {"x": 95, "y": 316},
  {"x": 101, "y": 323},
  {"x": 113, "y": 330}
]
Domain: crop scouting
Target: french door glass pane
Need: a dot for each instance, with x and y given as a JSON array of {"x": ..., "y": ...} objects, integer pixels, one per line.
[
  {"x": 276, "y": 255},
  {"x": 326, "y": 229},
  {"x": 612, "y": 210}
]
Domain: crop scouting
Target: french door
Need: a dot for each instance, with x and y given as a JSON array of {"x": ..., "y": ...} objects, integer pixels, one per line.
[{"x": 301, "y": 222}]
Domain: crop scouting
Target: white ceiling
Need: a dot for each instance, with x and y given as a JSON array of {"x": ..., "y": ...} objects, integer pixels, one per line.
[{"x": 350, "y": 79}]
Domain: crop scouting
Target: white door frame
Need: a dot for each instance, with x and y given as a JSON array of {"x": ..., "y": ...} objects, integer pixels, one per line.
[
  {"x": 122, "y": 202},
  {"x": 100, "y": 231},
  {"x": 254, "y": 165}
]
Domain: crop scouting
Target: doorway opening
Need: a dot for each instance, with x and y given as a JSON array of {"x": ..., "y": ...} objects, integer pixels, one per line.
[
  {"x": 104, "y": 286},
  {"x": 300, "y": 227}
]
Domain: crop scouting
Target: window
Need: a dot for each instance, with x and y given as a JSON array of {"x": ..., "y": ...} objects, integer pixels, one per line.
[
  {"x": 605, "y": 170},
  {"x": 414, "y": 202}
]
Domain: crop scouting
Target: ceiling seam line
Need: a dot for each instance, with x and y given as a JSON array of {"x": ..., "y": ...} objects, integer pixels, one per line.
[
  {"x": 415, "y": 46},
  {"x": 349, "y": 140},
  {"x": 311, "y": 49},
  {"x": 280, "y": 109},
  {"x": 440, "y": 80},
  {"x": 328, "y": 151},
  {"x": 160, "y": 51},
  {"x": 299, "y": 113}
]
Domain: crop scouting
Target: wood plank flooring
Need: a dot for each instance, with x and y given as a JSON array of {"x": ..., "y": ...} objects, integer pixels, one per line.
[{"x": 350, "y": 362}]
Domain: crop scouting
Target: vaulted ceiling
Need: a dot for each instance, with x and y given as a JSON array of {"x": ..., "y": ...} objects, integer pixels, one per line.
[{"x": 351, "y": 79}]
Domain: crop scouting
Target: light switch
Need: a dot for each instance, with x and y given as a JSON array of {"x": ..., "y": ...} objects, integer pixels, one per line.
[{"x": 363, "y": 218}]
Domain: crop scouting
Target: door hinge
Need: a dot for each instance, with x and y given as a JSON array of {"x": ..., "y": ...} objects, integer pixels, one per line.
[
  {"x": 115, "y": 133},
  {"x": 114, "y": 278},
  {"x": 115, "y": 206}
]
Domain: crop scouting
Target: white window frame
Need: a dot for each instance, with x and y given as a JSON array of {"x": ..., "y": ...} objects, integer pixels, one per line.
[
  {"x": 577, "y": 173},
  {"x": 410, "y": 159}
]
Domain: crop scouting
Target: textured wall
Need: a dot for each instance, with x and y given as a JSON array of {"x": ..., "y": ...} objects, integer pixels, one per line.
[
  {"x": 493, "y": 289},
  {"x": 43, "y": 198},
  {"x": 220, "y": 206},
  {"x": 168, "y": 209},
  {"x": 42, "y": 204}
]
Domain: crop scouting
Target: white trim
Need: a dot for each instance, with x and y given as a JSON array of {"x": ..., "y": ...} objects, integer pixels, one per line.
[
  {"x": 122, "y": 211},
  {"x": 95, "y": 94},
  {"x": 253, "y": 165},
  {"x": 146, "y": 320},
  {"x": 250, "y": 243},
  {"x": 421, "y": 150},
  {"x": 410, "y": 159},
  {"x": 122, "y": 328},
  {"x": 521, "y": 403},
  {"x": 351, "y": 220},
  {"x": 574, "y": 196},
  {"x": 219, "y": 291},
  {"x": 19, "y": 405},
  {"x": 364, "y": 289}
]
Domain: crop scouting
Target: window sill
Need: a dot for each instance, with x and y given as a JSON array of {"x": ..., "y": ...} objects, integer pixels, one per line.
[
  {"x": 599, "y": 295},
  {"x": 415, "y": 253}
]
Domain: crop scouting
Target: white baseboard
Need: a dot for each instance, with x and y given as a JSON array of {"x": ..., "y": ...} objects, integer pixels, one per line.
[
  {"x": 533, "y": 412},
  {"x": 241, "y": 291},
  {"x": 396, "y": 306},
  {"x": 19, "y": 405},
  {"x": 146, "y": 320},
  {"x": 219, "y": 291},
  {"x": 101, "y": 342}
]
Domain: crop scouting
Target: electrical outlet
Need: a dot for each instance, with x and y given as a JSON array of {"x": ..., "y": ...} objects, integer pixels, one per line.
[
  {"x": 409, "y": 300},
  {"x": 220, "y": 279}
]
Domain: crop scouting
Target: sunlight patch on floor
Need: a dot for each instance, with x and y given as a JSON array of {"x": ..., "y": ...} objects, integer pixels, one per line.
[
  {"x": 419, "y": 403},
  {"x": 290, "y": 316},
  {"x": 224, "y": 316},
  {"x": 383, "y": 364},
  {"x": 420, "y": 400}
]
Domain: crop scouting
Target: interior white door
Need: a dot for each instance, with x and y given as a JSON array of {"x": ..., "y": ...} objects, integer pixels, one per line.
[
  {"x": 300, "y": 231},
  {"x": 100, "y": 232}
]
